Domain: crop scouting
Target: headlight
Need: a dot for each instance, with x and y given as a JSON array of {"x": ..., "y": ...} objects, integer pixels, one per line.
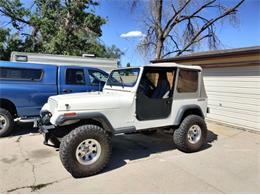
[{"x": 45, "y": 117}]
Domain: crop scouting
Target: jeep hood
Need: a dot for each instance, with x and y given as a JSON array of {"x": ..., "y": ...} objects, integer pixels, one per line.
[{"x": 89, "y": 101}]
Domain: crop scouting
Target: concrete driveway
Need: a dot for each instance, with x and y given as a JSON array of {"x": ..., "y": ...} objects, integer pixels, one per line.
[{"x": 230, "y": 163}]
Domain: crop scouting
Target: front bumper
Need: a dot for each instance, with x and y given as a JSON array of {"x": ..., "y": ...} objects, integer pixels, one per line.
[
  {"x": 43, "y": 123},
  {"x": 45, "y": 128},
  {"x": 45, "y": 131}
]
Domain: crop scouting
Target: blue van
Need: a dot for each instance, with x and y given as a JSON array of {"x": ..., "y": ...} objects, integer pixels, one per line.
[{"x": 25, "y": 87}]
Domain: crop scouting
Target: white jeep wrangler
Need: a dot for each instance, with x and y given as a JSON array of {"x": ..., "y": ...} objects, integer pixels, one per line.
[{"x": 142, "y": 99}]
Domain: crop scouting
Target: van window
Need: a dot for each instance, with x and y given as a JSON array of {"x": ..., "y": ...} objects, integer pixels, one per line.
[
  {"x": 96, "y": 77},
  {"x": 20, "y": 74},
  {"x": 187, "y": 81},
  {"x": 75, "y": 76}
]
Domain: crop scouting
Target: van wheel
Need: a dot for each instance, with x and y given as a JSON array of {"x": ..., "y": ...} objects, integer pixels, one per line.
[
  {"x": 85, "y": 151},
  {"x": 6, "y": 122},
  {"x": 191, "y": 134}
]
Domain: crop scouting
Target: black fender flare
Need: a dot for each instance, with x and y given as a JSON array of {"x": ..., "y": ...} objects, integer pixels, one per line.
[
  {"x": 83, "y": 116},
  {"x": 183, "y": 109}
]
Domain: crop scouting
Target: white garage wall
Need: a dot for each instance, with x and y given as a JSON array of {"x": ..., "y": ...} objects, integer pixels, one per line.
[{"x": 234, "y": 95}]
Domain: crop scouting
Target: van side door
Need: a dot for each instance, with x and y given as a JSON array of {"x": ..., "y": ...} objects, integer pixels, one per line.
[{"x": 73, "y": 79}]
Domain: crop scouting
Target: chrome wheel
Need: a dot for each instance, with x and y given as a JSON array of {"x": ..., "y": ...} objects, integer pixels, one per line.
[
  {"x": 88, "y": 151},
  {"x": 3, "y": 122},
  {"x": 194, "y": 134}
]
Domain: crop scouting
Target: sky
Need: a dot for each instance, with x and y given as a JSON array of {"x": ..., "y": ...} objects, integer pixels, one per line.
[{"x": 124, "y": 28}]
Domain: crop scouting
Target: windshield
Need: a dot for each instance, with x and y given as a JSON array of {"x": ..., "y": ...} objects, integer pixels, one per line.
[{"x": 123, "y": 77}]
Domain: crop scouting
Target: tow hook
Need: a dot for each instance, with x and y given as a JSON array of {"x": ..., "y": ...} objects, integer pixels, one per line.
[{"x": 46, "y": 138}]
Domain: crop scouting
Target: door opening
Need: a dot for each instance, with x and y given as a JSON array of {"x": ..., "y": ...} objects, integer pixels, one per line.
[{"x": 155, "y": 92}]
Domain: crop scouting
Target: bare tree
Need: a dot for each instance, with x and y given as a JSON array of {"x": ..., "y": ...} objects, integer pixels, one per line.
[{"x": 177, "y": 26}]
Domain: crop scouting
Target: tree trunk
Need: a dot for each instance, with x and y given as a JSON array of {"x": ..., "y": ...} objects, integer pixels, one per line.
[
  {"x": 158, "y": 20},
  {"x": 159, "y": 46}
]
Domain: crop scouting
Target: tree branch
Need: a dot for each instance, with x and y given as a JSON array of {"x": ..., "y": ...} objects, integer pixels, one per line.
[
  {"x": 202, "y": 7},
  {"x": 170, "y": 52},
  {"x": 173, "y": 8},
  {"x": 13, "y": 17},
  {"x": 171, "y": 21},
  {"x": 175, "y": 43},
  {"x": 209, "y": 23},
  {"x": 182, "y": 18}
]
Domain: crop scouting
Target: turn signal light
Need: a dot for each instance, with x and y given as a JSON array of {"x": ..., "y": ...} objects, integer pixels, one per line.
[{"x": 70, "y": 114}]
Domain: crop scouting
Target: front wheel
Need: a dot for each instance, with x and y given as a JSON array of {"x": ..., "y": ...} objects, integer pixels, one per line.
[
  {"x": 85, "y": 151},
  {"x": 191, "y": 134},
  {"x": 6, "y": 122}
]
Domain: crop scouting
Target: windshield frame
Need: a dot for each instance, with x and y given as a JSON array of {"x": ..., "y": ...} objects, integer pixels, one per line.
[{"x": 124, "y": 84}]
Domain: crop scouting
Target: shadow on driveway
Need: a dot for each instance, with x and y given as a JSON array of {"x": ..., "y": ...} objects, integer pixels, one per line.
[
  {"x": 138, "y": 146},
  {"x": 22, "y": 129}
]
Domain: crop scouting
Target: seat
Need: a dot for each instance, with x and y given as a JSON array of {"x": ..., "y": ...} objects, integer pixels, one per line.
[
  {"x": 163, "y": 87},
  {"x": 79, "y": 79}
]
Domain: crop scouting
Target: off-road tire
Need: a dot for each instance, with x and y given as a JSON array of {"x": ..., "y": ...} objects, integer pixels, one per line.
[
  {"x": 69, "y": 145},
  {"x": 9, "y": 122},
  {"x": 180, "y": 136}
]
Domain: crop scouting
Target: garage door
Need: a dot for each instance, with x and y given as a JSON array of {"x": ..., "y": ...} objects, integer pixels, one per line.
[{"x": 234, "y": 95}]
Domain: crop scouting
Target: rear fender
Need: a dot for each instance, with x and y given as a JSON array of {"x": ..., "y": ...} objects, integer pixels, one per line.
[{"x": 187, "y": 110}]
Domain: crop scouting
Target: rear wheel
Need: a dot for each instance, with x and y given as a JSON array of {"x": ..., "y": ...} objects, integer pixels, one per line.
[
  {"x": 85, "y": 151},
  {"x": 6, "y": 122},
  {"x": 191, "y": 134}
]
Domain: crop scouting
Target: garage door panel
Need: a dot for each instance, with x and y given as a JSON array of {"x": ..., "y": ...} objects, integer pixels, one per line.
[
  {"x": 233, "y": 90},
  {"x": 248, "y": 97},
  {"x": 235, "y": 99},
  {"x": 233, "y": 71},
  {"x": 234, "y": 95},
  {"x": 232, "y": 79},
  {"x": 238, "y": 106},
  {"x": 234, "y": 121},
  {"x": 242, "y": 113},
  {"x": 250, "y": 85},
  {"x": 229, "y": 74}
]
